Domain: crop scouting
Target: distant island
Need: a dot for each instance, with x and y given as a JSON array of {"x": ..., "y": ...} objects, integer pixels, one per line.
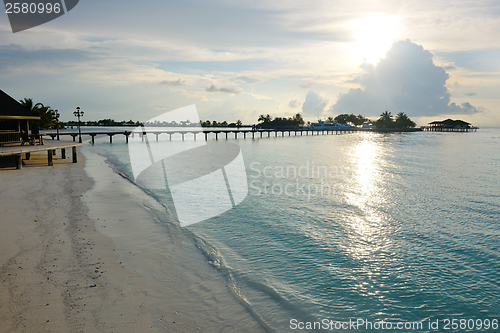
[
  {"x": 49, "y": 119},
  {"x": 386, "y": 120}
]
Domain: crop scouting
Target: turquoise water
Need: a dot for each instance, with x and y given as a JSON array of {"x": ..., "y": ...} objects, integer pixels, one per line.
[{"x": 362, "y": 226}]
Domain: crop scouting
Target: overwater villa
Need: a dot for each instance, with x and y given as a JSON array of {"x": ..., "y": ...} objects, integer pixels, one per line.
[{"x": 450, "y": 125}]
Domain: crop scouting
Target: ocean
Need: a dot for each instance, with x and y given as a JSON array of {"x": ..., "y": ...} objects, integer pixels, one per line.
[{"x": 361, "y": 231}]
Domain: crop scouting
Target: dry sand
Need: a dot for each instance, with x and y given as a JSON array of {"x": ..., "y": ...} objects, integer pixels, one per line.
[{"x": 57, "y": 273}]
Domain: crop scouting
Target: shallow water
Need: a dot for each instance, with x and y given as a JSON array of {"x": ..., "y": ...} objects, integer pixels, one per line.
[{"x": 362, "y": 226}]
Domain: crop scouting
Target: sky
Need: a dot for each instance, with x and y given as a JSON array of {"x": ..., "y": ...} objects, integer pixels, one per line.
[{"x": 239, "y": 59}]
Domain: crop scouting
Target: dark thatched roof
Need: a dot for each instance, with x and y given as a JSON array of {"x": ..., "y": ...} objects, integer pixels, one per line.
[
  {"x": 12, "y": 109},
  {"x": 450, "y": 122}
]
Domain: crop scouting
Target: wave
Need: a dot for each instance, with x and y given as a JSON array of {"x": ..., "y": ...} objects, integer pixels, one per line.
[{"x": 213, "y": 256}]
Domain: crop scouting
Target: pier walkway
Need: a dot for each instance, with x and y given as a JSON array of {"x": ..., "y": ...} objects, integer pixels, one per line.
[
  {"x": 49, "y": 146},
  {"x": 218, "y": 133},
  {"x": 227, "y": 134},
  {"x": 450, "y": 129}
]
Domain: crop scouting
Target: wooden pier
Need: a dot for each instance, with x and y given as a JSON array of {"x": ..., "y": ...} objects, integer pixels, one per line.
[
  {"x": 226, "y": 134},
  {"x": 49, "y": 146},
  {"x": 449, "y": 129}
]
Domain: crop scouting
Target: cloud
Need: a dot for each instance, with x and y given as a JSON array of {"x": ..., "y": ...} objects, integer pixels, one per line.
[
  {"x": 305, "y": 85},
  {"x": 470, "y": 94},
  {"x": 405, "y": 80},
  {"x": 247, "y": 79},
  {"x": 213, "y": 88},
  {"x": 173, "y": 83},
  {"x": 314, "y": 105},
  {"x": 293, "y": 104}
]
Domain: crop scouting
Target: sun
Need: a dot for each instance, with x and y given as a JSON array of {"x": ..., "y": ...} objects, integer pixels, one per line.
[{"x": 373, "y": 37}]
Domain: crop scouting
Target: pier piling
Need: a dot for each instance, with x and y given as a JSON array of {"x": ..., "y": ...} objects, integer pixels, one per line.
[
  {"x": 19, "y": 162},
  {"x": 49, "y": 154}
]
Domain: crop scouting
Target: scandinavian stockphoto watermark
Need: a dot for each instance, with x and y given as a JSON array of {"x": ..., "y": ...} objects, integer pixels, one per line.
[
  {"x": 24, "y": 15},
  {"x": 204, "y": 179},
  {"x": 307, "y": 180},
  {"x": 447, "y": 324}
]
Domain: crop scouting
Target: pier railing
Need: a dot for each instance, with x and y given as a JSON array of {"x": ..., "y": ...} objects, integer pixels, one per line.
[
  {"x": 227, "y": 133},
  {"x": 223, "y": 133},
  {"x": 449, "y": 129},
  {"x": 8, "y": 137}
]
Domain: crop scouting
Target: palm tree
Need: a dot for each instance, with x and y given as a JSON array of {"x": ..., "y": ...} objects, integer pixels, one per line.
[
  {"x": 402, "y": 120},
  {"x": 386, "y": 116},
  {"x": 45, "y": 113},
  {"x": 298, "y": 119},
  {"x": 385, "y": 120},
  {"x": 264, "y": 118},
  {"x": 27, "y": 103},
  {"x": 360, "y": 119}
]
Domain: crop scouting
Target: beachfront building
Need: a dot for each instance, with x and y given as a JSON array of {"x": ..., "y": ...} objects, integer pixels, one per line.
[
  {"x": 14, "y": 119},
  {"x": 14, "y": 134},
  {"x": 450, "y": 125}
]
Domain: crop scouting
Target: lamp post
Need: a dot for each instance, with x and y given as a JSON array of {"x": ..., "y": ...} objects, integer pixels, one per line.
[
  {"x": 57, "y": 115},
  {"x": 79, "y": 114}
]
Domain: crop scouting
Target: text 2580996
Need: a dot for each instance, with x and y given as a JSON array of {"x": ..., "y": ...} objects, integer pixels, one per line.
[{"x": 32, "y": 8}]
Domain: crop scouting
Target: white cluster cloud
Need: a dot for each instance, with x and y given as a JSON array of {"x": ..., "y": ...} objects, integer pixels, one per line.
[
  {"x": 405, "y": 80},
  {"x": 229, "y": 90},
  {"x": 178, "y": 82},
  {"x": 293, "y": 104},
  {"x": 246, "y": 79},
  {"x": 314, "y": 105}
]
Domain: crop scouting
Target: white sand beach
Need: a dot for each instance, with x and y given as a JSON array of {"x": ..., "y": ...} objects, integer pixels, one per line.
[{"x": 59, "y": 273}]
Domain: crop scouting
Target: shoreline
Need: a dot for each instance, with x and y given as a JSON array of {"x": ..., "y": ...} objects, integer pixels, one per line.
[
  {"x": 187, "y": 293},
  {"x": 68, "y": 266}
]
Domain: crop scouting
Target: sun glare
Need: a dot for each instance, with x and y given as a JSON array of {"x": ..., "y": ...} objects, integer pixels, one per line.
[{"x": 374, "y": 37}]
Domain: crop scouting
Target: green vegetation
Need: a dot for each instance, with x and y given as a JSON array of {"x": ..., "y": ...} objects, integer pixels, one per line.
[
  {"x": 224, "y": 123},
  {"x": 102, "y": 122},
  {"x": 215, "y": 123},
  {"x": 46, "y": 114},
  {"x": 350, "y": 119},
  {"x": 401, "y": 121},
  {"x": 386, "y": 120},
  {"x": 108, "y": 122},
  {"x": 267, "y": 121}
]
